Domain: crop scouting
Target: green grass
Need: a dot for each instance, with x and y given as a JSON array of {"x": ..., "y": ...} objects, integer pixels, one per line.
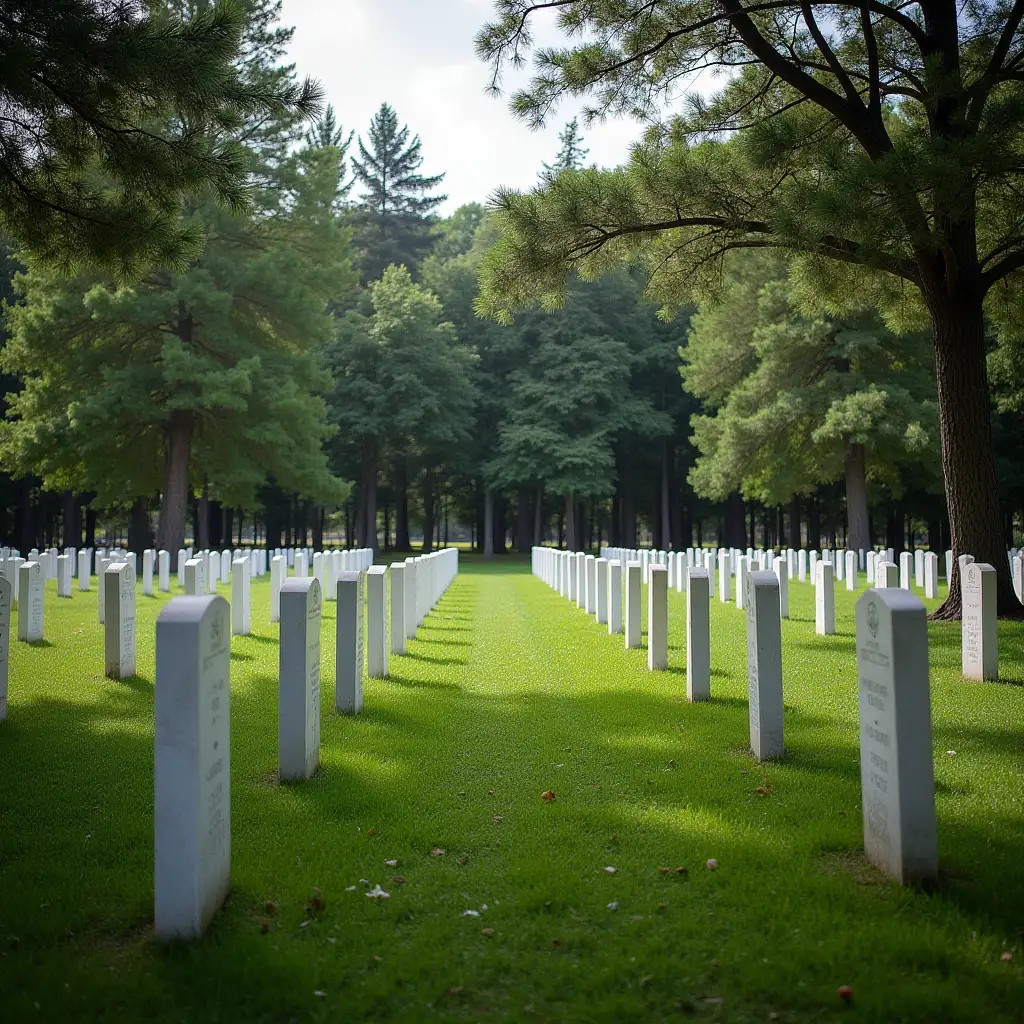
[{"x": 510, "y": 691}]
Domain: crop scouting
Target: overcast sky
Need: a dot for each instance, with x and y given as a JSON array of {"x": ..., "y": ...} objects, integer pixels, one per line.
[{"x": 418, "y": 56}]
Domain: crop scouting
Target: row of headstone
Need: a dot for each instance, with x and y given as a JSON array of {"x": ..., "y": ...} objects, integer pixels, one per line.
[
  {"x": 897, "y": 775},
  {"x": 327, "y": 567}
]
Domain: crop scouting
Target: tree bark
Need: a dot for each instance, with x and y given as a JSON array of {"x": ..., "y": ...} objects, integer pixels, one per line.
[
  {"x": 814, "y": 524},
  {"x": 666, "y": 523},
  {"x": 570, "y": 523},
  {"x": 524, "y": 521},
  {"x": 488, "y": 523},
  {"x": 174, "y": 501},
  {"x": 538, "y": 515},
  {"x": 203, "y": 518},
  {"x": 968, "y": 457},
  {"x": 858, "y": 537},
  {"x": 368, "y": 497},
  {"x": 402, "y": 542},
  {"x": 428, "y": 513},
  {"x": 794, "y": 522},
  {"x": 138, "y": 526}
]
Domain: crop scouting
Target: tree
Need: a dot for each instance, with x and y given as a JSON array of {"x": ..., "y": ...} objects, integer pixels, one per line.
[
  {"x": 570, "y": 156},
  {"x": 392, "y": 221},
  {"x": 325, "y": 131},
  {"x": 402, "y": 389},
  {"x": 114, "y": 113},
  {"x": 793, "y": 402},
  {"x": 878, "y": 146},
  {"x": 202, "y": 375}
]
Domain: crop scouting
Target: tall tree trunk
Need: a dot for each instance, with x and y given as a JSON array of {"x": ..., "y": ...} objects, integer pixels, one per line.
[
  {"x": 666, "y": 523},
  {"x": 570, "y": 522},
  {"x": 538, "y": 515},
  {"x": 735, "y": 521},
  {"x": 68, "y": 535},
  {"x": 965, "y": 430},
  {"x": 858, "y": 537},
  {"x": 174, "y": 501},
  {"x": 524, "y": 521},
  {"x": 402, "y": 542},
  {"x": 814, "y": 523},
  {"x": 428, "y": 512},
  {"x": 28, "y": 530},
  {"x": 138, "y": 526},
  {"x": 794, "y": 521},
  {"x": 203, "y": 518},
  {"x": 628, "y": 516},
  {"x": 488, "y": 523},
  {"x": 368, "y": 495},
  {"x": 317, "y": 514}
]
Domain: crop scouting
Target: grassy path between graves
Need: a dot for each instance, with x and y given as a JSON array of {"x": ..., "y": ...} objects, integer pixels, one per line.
[{"x": 509, "y": 692}]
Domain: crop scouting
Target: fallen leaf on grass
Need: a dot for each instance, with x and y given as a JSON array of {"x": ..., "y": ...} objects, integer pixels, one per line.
[
  {"x": 547, "y": 795},
  {"x": 462, "y": 861},
  {"x": 391, "y": 863},
  {"x": 437, "y": 852},
  {"x": 264, "y": 926},
  {"x": 610, "y": 870},
  {"x": 377, "y": 893},
  {"x": 471, "y": 913},
  {"x": 712, "y": 864},
  {"x": 488, "y": 933},
  {"x": 613, "y": 906},
  {"x": 371, "y": 832},
  {"x": 1006, "y": 957},
  {"x": 320, "y": 993},
  {"x": 497, "y": 819},
  {"x": 845, "y": 993},
  {"x": 455, "y": 990},
  {"x": 763, "y": 790},
  {"x": 673, "y": 871},
  {"x": 399, "y": 880},
  {"x": 270, "y": 907}
]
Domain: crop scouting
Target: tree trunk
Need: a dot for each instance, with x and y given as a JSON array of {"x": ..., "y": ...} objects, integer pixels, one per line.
[
  {"x": 666, "y": 524},
  {"x": 203, "y": 518},
  {"x": 138, "y": 527},
  {"x": 794, "y": 522},
  {"x": 538, "y": 516},
  {"x": 814, "y": 524},
  {"x": 524, "y": 521},
  {"x": 968, "y": 458},
  {"x": 858, "y": 537},
  {"x": 402, "y": 542},
  {"x": 628, "y": 517},
  {"x": 428, "y": 513},
  {"x": 174, "y": 501},
  {"x": 735, "y": 522},
  {"x": 488, "y": 523},
  {"x": 368, "y": 497},
  {"x": 570, "y": 523}
]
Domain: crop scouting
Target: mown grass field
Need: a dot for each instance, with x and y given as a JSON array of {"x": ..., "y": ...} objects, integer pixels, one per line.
[{"x": 509, "y": 692}]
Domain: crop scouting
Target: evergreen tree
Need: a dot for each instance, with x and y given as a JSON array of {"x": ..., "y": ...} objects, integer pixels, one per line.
[
  {"x": 794, "y": 401},
  {"x": 325, "y": 131},
  {"x": 114, "y": 113},
  {"x": 877, "y": 145},
  {"x": 392, "y": 221},
  {"x": 570, "y": 156}
]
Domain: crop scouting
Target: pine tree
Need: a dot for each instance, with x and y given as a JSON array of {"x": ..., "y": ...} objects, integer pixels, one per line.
[
  {"x": 114, "y": 113},
  {"x": 392, "y": 222},
  {"x": 324, "y": 132},
  {"x": 570, "y": 156}
]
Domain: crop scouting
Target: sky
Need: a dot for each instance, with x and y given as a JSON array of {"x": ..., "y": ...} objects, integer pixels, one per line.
[{"x": 418, "y": 56}]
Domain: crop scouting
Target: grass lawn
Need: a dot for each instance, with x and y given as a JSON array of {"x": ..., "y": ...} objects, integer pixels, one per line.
[{"x": 508, "y": 692}]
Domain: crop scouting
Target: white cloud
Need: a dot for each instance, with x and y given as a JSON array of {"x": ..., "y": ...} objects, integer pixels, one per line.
[{"x": 418, "y": 56}]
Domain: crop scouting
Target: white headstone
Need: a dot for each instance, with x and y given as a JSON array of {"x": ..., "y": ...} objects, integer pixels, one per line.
[
  {"x": 979, "y": 637},
  {"x": 724, "y": 576},
  {"x": 887, "y": 575},
  {"x": 601, "y": 595},
  {"x": 633, "y": 574},
  {"x": 164, "y": 571},
  {"x": 1017, "y": 571},
  {"x": 183, "y": 557},
  {"x": 6, "y": 597},
  {"x": 63, "y": 575},
  {"x": 84, "y": 560},
  {"x": 398, "y": 637},
  {"x": 897, "y": 775},
  {"x": 615, "y": 596},
  {"x": 657, "y": 617},
  {"x": 851, "y": 570},
  {"x": 193, "y": 765},
  {"x": 710, "y": 563},
  {"x": 906, "y": 569},
  {"x": 764, "y": 665},
  {"x": 412, "y": 572},
  {"x": 278, "y": 574},
  {"x": 376, "y": 622},
  {"x": 824, "y": 600},
  {"x": 931, "y": 575},
  {"x": 195, "y": 577},
  {"x": 349, "y": 641},
  {"x": 118, "y": 583},
  {"x": 698, "y": 635},
  {"x": 742, "y": 571},
  {"x": 781, "y": 570},
  {"x": 918, "y": 568},
  {"x": 30, "y": 602},
  {"x": 581, "y": 579},
  {"x": 241, "y": 596},
  {"x": 298, "y": 705},
  {"x": 590, "y": 575},
  {"x": 148, "y": 559}
]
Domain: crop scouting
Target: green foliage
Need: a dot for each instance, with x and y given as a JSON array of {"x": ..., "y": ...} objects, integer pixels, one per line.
[
  {"x": 392, "y": 220},
  {"x": 114, "y": 114},
  {"x": 571, "y": 154},
  {"x": 325, "y": 132},
  {"x": 786, "y": 394}
]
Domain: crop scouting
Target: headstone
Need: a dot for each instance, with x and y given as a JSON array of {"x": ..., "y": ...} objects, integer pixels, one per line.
[
  {"x": 764, "y": 664},
  {"x": 412, "y": 572},
  {"x": 397, "y": 574},
  {"x": 349, "y": 638},
  {"x": 949, "y": 566},
  {"x": 6, "y": 598},
  {"x": 278, "y": 574},
  {"x": 710, "y": 564},
  {"x": 241, "y": 595},
  {"x": 225, "y": 567},
  {"x": 724, "y": 576},
  {"x": 118, "y": 583},
  {"x": 887, "y": 575},
  {"x": 963, "y": 561},
  {"x": 682, "y": 564},
  {"x": 906, "y": 569},
  {"x": 657, "y": 617},
  {"x": 979, "y": 639},
  {"x": 851, "y": 570},
  {"x": 824, "y": 600},
  {"x": 101, "y": 593},
  {"x": 601, "y": 574},
  {"x": 896, "y": 770},
  {"x": 581, "y": 579},
  {"x": 30, "y": 602},
  {"x": 633, "y": 572},
  {"x": 376, "y": 622},
  {"x": 195, "y": 577},
  {"x": 147, "y": 572},
  {"x": 301, "y": 564},
  {"x": 931, "y": 575},
  {"x": 918, "y": 568},
  {"x": 590, "y": 573},
  {"x": 298, "y": 700},
  {"x": 63, "y": 575},
  {"x": 83, "y": 570},
  {"x": 614, "y": 596},
  {"x": 698, "y": 635},
  {"x": 1017, "y": 567},
  {"x": 164, "y": 567},
  {"x": 742, "y": 571},
  {"x": 183, "y": 557},
  {"x": 781, "y": 570},
  {"x": 193, "y": 765}
]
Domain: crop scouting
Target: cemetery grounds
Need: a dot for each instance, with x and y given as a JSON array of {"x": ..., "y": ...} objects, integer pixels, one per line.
[{"x": 594, "y": 903}]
